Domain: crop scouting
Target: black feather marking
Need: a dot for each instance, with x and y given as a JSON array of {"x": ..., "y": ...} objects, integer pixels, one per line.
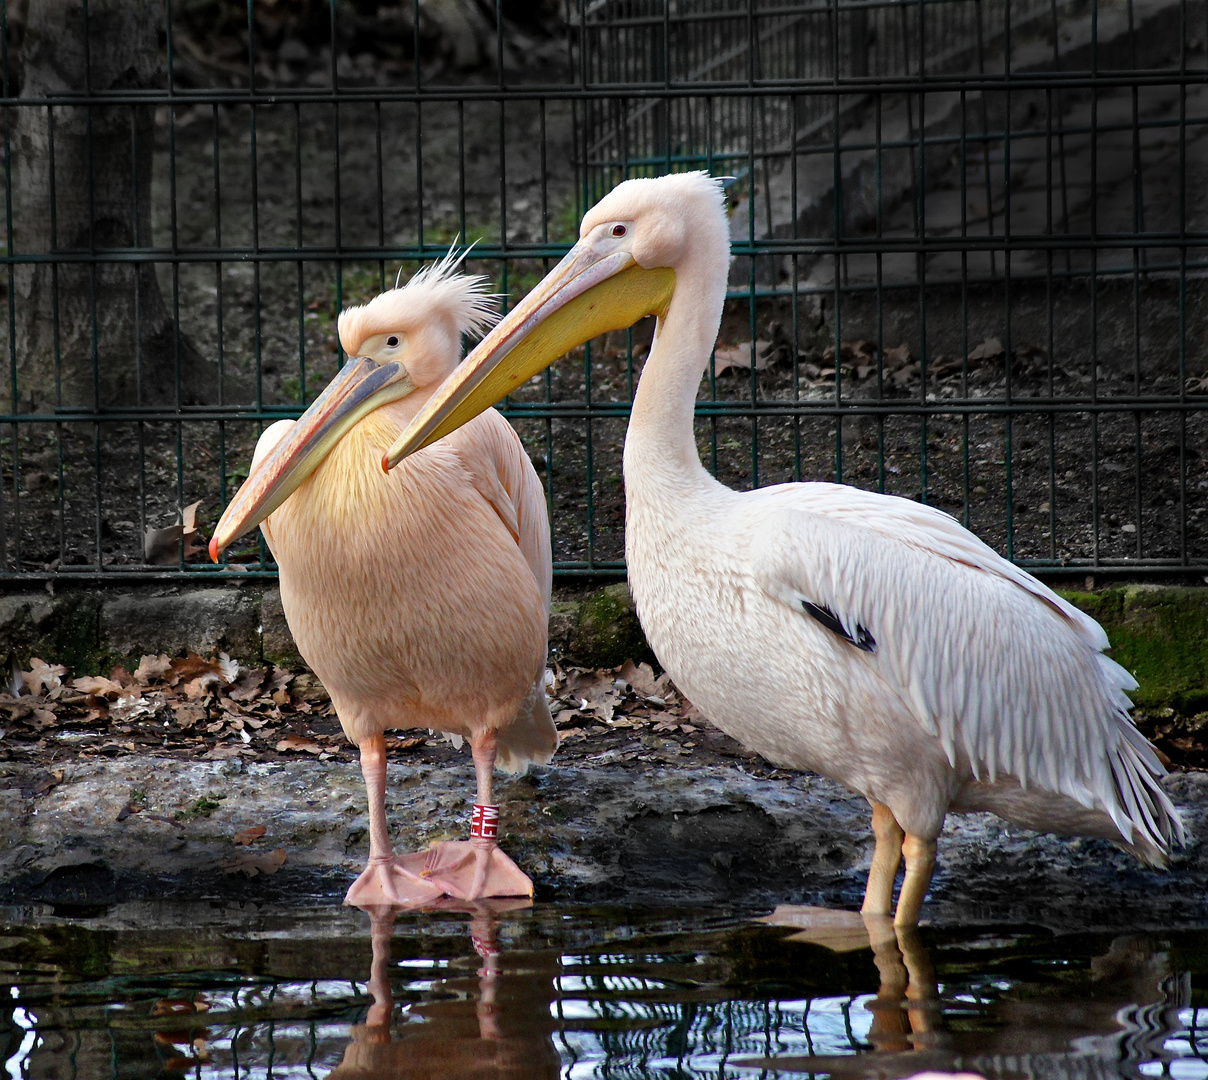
[{"x": 863, "y": 640}]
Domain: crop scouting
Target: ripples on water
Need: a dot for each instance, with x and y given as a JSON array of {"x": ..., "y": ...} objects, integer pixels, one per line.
[{"x": 236, "y": 991}]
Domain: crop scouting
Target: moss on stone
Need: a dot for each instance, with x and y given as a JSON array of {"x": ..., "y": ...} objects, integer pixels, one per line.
[
  {"x": 1160, "y": 634},
  {"x": 202, "y": 807},
  {"x": 63, "y": 630},
  {"x": 608, "y": 632},
  {"x": 563, "y": 624}
]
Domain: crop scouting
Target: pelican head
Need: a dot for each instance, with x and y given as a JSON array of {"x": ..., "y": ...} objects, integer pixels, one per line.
[
  {"x": 403, "y": 341},
  {"x": 632, "y": 244}
]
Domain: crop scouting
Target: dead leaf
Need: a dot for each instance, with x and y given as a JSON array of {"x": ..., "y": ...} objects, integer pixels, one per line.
[
  {"x": 941, "y": 367},
  {"x": 42, "y": 678},
  {"x": 163, "y": 546},
  {"x": 309, "y": 689},
  {"x": 252, "y": 832},
  {"x": 738, "y": 359},
  {"x": 202, "y": 685},
  {"x": 252, "y": 863},
  {"x": 566, "y": 716},
  {"x": 641, "y": 678},
  {"x": 208, "y": 675},
  {"x": 247, "y": 686},
  {"x": 40, "y": 785},
  {"x": 896, "y": 358},
  {"x": 188, "y": 713},
  {"x": 299, "y": 742},
  {"x": 98, "y": 686},
  {"x": 220, "y": 753},
  {"x": 185, "y": 669},
  {"x": 121, "y": 676},
  {"x": 850, "y": 353},
  {"x": 152, "y": 668},
  {"x": 44, "y": 718},
  {"x": 131, "y": 707},
  {"x": 603, "y": 707},
  {"x": 589, "y": 685},
  {"x": 990, "y": 349}
]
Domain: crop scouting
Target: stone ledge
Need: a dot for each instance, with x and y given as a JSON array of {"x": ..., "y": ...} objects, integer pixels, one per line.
[
  {"x": 689, "y": 834},
  {"x": 1158, "y": 632}
]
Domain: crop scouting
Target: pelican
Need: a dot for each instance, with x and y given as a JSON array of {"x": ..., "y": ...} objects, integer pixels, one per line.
[
  {"x": 861, "y": 636},
  {"x": 420, "y": 599}
]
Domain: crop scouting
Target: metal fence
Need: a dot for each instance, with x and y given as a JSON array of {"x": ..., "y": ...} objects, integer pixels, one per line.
[{"x": 969, "y": 243}]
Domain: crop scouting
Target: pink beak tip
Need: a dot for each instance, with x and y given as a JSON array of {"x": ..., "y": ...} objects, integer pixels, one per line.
[{"x": 214, "y": 549}]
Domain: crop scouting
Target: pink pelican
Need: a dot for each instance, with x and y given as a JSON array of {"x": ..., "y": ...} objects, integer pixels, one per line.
[
  {"x": 420, "y": 599},
  {"x": 861, "y": 636}
]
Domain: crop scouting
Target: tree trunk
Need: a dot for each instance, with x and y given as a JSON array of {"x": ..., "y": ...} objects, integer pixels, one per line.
[{"x": 92, "y": 334}]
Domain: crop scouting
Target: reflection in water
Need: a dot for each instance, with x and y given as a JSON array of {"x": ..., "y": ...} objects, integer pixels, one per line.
[
  {"x": 1122, "y": 1023},
  {"x": 181, "y": 1043},
  {"x": 248, "y": 994},
  {"x": 495, "y": 1025}
]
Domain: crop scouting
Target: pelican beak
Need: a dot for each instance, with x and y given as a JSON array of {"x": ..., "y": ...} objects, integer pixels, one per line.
[
  {"x": 585, "y": 295},
  {"x": 359, "y": 387}
]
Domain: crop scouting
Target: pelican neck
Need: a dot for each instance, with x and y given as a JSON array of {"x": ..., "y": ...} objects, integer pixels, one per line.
[{"x": 661, "y": 439}]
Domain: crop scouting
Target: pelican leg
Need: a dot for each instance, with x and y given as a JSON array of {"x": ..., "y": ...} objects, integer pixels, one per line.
[
  {"x": 920, "y": 862},
  {"x": 386, "y": 879},
  {"x": 377, "y": 1023},
  {"x": 475, "y": 868},
  {"x": 888, "y": 1032},
  {"x": 922, "y": 1006},
  {"x": 886, "y": 857}
]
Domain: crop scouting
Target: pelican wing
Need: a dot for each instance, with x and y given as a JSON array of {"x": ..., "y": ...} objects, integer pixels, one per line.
[
  {"x": 994, "y": 664},
  {"x": 502, "y": 472}
]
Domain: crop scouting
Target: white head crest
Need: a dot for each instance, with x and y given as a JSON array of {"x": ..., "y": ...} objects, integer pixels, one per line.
[{"x": 436, "y": 290}]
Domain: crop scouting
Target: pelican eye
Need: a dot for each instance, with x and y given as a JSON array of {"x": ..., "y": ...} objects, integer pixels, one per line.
[
  {"x": 618, "y": 230},
  {"x": 392, "y": 341}
]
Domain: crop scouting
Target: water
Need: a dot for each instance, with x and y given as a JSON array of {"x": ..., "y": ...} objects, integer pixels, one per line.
[{"x": 230, "y": 991}]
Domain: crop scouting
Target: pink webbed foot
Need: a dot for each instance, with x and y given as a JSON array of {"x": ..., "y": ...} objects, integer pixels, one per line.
[
  {"x": 468, "y": 869},
  {"x": 388, "y": 881}
]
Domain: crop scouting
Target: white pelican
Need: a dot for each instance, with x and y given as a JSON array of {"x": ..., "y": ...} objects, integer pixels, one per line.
[
  {"x": 862, "y": 636},
  {"x": 420, "y": 599}
]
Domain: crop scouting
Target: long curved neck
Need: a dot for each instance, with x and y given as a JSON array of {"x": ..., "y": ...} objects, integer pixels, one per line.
[{"x": 661, "y": 438}]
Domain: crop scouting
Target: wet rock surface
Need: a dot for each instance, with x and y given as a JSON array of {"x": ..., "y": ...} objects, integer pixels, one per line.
[{"x": 140, "y": 827}]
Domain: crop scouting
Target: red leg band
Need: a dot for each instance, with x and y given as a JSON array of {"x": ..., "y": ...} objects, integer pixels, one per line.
[
  {"x": 485, "y": 947},
  {"x": 484, "y": 822}
]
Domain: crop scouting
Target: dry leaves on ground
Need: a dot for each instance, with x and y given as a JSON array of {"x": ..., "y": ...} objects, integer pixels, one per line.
[
  {"x": 252, "y": 863},
  {"x": 896, "y": 367},
  {"x": 208, "y": 707},
  {"x": 216, "y": 709},
  {"x": 587, "y": 702}
]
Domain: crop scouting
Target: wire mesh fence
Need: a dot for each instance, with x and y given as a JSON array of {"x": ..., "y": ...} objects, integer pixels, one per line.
[{"x": 968, "y": 234}]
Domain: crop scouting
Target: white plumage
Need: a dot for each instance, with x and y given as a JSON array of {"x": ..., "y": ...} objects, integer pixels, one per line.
[
  {"x": 862, "y": 636},
  {"x": 981, "y": 681}
]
